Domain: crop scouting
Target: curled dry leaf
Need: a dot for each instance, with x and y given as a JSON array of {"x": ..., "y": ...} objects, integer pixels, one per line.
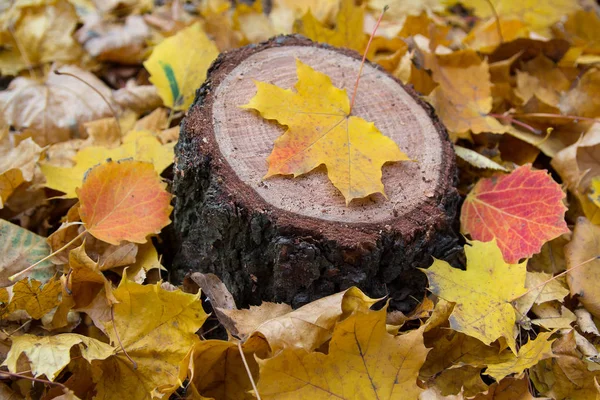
[
  {"x": 140, "y": 99},
  {"x": 583, "y": 263},
  {"x": 307, "y": 327},
  {"x": 522, "y": 211},
  {"x": 49, "y": 355},
  {"x": 124, "y": 200},
  {"x": 55, "y": 110},
  {"x": 121, "y": 43}
]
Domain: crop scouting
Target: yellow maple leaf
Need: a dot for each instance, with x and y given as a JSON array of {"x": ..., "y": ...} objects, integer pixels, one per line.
[
  {"x": 348, "y": 30},
  {"x": 37, "y": 300},
  {"x": 156, "y": 328},
  {"x": 48, "y": 355},
  {"x": 364, "y": 361},
  {"x": 178, "y": 65},
  {"x": 529, "y": 355},
  {"x": 322, "y": 131},
  {"x": 140, "y": 145},
  {"x": 483, "y": 293}
]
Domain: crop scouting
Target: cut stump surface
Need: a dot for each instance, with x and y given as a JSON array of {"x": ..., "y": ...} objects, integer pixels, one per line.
[{"x": 294, "y": 239}]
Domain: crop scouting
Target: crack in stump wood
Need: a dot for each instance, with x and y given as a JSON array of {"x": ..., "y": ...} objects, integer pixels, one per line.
[{"x": 294, "y": 240}]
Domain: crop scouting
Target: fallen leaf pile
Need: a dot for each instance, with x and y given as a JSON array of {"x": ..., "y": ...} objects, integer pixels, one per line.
[{"x": 93, "y": 93}]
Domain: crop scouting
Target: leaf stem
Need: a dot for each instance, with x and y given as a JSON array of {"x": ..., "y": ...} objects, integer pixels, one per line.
[
  {"x": 557, "y": 276},
  {"x": 30, "y": 378},
  {"x": 362, "y": 63},
  {"x": 550, "y": 115},
  {"x": 112, "y": 317},
  {"x": 13, "y": 277},
  {"x": 512, "y": 120},
  {"x": 112, "y": 110},
  {"x": 248, "y": 370},
  {"x": 497, "y": 18}
]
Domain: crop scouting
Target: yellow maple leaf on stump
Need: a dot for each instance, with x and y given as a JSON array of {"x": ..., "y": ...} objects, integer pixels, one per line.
[
  {"x": 364, "y": 362},
  {"x": 321, "y": 130},
  {"x": 483, "y": 293}
]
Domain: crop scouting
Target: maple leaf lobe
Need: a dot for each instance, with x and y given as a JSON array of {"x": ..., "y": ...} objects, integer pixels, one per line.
[{"x": 320, "y": 130}]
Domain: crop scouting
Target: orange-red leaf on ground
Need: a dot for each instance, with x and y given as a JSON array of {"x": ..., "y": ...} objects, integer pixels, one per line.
[
  {"x": 124, "y": 200},
  {"x": 522, "y": 210}
]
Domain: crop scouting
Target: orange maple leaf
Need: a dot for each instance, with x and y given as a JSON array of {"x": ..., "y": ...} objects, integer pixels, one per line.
[
  {"x": 522, "y": 211},
  {"x": 322, "y": 131},
  {"x": 124, "y": 200}
]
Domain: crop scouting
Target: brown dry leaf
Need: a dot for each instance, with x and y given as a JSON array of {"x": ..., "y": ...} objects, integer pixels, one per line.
[
  {"x": 123, "y": 43},
  {"x": 541, "y": 78},
  {"x": 541, "y": 288},
  {"x": 465, "y": 379},
  {"x": 364, "y": 361},
  {"x": 516, "y": 388},
  {"x": 578, "y": 165},
  {"x": 55, "y": 110},
  {"x": 582, "y": 255},
  {"x": 86, "y": 280},
  {"x": 463, "y": 99},
  {"x": 551, "y": 260},
  {"x": 17, "y": 167},
  {"x": 31, "y": 35},
  {"x": 553, "y": 315},
  {"x": 141, "y": 99},
  {"x": 216, "y": 370},
  {"x": 583, "y": 100},
  {"x": 307, "y": 327},
  {"x": 35, "y": 299},
  {"x": 566, "y": 376}
]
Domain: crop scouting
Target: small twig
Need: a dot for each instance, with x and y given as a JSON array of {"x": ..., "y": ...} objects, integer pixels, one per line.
[
  {"x": 13, "y": 277},
  {"x": 512, "y": 120},
  {"x": 550, "y": 115},
  {"x": 112, "y": 110},
  {"x": 362, "y": 64},
  {"x": 112, "y": 317},
  {"x": 30, "y": 378},
  {"x": 23, "y": 53},
  {"x": 557, "y": 276},
  {"x": 248, "y": 370},
  {"x": 497, "y": 17}
]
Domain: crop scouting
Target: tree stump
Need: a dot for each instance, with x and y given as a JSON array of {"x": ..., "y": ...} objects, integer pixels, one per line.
[{"x": 294, "y": 239}]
